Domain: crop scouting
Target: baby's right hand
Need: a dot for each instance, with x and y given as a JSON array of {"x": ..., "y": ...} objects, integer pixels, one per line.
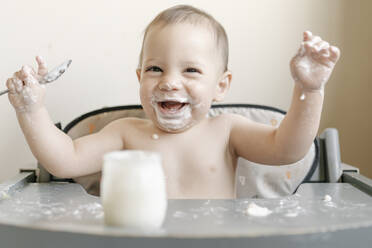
[{"x": 25, "y": 92}]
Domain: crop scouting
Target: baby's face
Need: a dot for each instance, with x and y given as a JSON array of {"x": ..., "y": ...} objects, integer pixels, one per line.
[{"x": 180, "y": 74}]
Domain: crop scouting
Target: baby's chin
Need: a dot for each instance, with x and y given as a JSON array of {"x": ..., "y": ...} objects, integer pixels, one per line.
[{"x": 174, "y": 128}]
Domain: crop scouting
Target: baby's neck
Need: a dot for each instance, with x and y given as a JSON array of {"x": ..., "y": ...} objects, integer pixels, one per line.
[{"x": 198, "y": 125}]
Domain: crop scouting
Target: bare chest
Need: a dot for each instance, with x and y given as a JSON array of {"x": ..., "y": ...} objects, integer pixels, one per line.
[{"x": 196, "y": 165}]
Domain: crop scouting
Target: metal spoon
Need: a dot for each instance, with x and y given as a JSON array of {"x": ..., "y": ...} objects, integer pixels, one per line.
[{"x": 53, "y": 75}]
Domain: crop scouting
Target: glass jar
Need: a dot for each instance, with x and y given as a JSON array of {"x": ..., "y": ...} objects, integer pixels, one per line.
[{"x": 133, "y": 189}]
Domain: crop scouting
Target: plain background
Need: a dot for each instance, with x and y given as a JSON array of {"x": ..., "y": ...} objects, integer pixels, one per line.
[{"x": 103, "y": 39}]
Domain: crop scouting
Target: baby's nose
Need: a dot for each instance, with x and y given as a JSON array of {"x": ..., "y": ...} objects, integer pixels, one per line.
[{"x": 169, "y": 85}]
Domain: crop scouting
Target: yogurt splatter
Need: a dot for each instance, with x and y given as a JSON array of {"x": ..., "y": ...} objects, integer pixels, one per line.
[{"x": 257, "y": 211}]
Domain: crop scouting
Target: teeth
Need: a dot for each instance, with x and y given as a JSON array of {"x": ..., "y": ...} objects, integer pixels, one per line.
[{"x": 173, "y": 100}]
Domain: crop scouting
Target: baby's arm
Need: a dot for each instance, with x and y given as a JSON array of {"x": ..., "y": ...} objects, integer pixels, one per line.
[
  {"x": 311, "y": 68},
  {"x": 55, "y": 150}
]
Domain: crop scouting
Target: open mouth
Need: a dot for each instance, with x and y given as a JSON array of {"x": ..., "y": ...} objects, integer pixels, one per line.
[{"x": 171, "y": 107}]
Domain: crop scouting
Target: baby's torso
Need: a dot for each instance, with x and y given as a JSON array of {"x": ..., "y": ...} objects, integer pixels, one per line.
[{"x": 197, "y": 163}]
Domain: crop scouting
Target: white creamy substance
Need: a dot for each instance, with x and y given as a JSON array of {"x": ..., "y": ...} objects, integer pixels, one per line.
[
  {"x": 242, "y": 180},
  {"x": 23, "y": 96},
  {"x": 307, "y": 64},
  {"x": 4, "y": 195},
  {"x": 327, "y": 198},
  {"x": 55, "y": 73},
  {"x": 321, "y": 92},
  {"x": 28, "y": 96},
  {"x": 257, "y": 211},
  {"x": 133, "y": 189},
  {"x": 25, "y": 99},
  {"x": 302, "y": 97},
  {"x": 176, "y": 121},
  {"x": 291, "y": 214}
]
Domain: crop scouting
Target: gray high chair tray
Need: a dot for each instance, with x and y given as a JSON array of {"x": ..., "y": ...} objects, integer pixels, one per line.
[{"x": 62, "y": 214}]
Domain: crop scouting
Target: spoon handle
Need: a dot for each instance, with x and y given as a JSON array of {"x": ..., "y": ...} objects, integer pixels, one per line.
[{"x": 3, "y": 92}]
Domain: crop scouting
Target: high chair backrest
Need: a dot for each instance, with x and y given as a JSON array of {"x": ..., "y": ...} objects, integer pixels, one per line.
[{"x": 251, "y": 180}]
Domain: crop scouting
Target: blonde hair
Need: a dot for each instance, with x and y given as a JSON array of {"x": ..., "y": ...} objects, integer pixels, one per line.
[{"x": 192, "y": 15}]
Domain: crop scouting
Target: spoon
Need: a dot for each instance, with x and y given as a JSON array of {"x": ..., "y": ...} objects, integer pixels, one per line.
[{"x": 53, "y": 75}]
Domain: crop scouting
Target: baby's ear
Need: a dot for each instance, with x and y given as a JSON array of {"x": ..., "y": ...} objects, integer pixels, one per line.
[
  {"x": 223, "y": 86},
  {"x": 138, "y": 72}
]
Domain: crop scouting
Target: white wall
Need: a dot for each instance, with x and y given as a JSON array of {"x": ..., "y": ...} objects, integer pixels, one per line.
[{"x": 103, "y": 39}]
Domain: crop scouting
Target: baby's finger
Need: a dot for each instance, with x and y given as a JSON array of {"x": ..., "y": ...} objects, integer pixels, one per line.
[
  {"x": 324, "y": 52},
  {"x": 320, "y": 49},
  {"x": 314, "y": 40},
  {"x": 325, "y": 61},
  {"x": 36, "y": 75},
  {"x": 334, "y": 54},
  {"x": 307, "y": 35},
  {"x": 42, "y": 67},
  {"x": 30, "y": 75},
  {"x": 10, "y": 86},
  {"x": 310, "y": 45},
  {"x": 309, "y": 49},
  {"x": 30, "y": 81},
  {"x": 322, "y": 45},
  {"x": 18, "y": 84},
  {"x": 18, "y": 79},
  {"x": 26, "y": 71},
  {"x": 301, "y": 51},
  {"x": 19, "y": 74},
  {"x": 33, "y": 72}
]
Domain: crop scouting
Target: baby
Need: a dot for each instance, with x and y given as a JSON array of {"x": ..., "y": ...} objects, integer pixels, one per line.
[{"x": 182, "y": 71}]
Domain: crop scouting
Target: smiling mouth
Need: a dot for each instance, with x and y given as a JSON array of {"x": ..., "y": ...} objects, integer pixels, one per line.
[{"x": 171, "y": 107}]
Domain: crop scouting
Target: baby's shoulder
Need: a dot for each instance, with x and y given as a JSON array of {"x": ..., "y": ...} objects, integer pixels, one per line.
[
  {"x": 231, "y": 121},
  {"x": 229, "y": 118},
  {"x": 221, "y": 121},
  {"x": 126, "y": 123},
  {"x": 131, "y": 121}
]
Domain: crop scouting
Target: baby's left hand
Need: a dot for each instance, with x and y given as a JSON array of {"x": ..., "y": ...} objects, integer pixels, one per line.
[{"x": 312, "y": 66}]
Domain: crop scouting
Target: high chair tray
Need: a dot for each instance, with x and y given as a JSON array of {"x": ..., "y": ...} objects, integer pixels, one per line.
[{"x": 64, "y": 215}]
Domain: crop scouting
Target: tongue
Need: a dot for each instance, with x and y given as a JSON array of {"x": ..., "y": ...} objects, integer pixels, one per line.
[{"x": 172, "y": 105}]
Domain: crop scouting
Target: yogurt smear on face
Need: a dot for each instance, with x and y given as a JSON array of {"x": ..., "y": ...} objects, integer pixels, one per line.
[{"x": 173, "y": 112}]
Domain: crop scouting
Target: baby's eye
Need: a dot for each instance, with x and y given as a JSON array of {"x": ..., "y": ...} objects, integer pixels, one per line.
[
  {"x": 192, "y": 70},
  {"x": 154, "y": 68}
]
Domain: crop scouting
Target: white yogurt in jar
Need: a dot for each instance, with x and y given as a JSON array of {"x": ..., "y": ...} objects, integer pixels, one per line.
[{"x": 133, "y": 189}]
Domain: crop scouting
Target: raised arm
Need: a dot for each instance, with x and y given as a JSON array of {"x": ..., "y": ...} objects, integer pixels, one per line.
[
  {"x": 311, "y": 68},
  {"x": 55, "y": 150}
]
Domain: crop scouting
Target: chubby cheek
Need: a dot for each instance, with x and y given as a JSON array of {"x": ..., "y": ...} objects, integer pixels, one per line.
[
  {"x": 143, "y": 93},
  {"x": 201, "y": 99},
  {"x": 146, "y": 98}
]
